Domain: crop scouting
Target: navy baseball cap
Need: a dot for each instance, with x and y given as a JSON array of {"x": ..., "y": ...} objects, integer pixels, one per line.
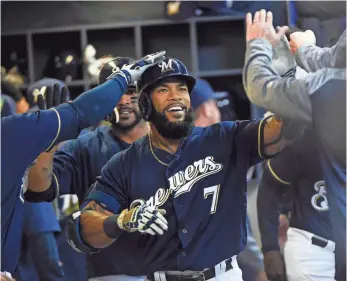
[
  {"x": 169, "y": 67},
  {"x": 201, "y": 93}
]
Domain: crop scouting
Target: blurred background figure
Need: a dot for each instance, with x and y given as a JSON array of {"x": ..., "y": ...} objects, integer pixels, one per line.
[
  {"x": 8, "y": 89},
  {"x": 327, "y": 19},
  {"x": 8, "y": 106},
  {"x": 204, "y": 104}
]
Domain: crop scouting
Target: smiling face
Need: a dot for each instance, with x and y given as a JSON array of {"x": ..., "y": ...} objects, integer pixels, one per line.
[
  {"x": 172, "y": 114},
  {"x": 129, "y": 111}
]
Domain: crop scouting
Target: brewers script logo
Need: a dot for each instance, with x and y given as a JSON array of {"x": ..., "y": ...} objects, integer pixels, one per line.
[
  {"x": 319, "y": 201},
  {"x": 183, "y": 181}
]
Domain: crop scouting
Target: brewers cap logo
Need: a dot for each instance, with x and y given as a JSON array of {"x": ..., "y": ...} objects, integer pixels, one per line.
[{"x": 167, "y": 66}]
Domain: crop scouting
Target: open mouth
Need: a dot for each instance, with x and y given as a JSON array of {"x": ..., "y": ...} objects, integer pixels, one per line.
[
  {"x": 175, "y": 108},
  {"x": 124, "y": 112}
]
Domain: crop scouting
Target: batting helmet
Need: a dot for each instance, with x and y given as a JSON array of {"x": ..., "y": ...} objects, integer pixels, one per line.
[
  {"x": 109, "y": 68},
  {"x": 113, "y": 66},
  {"x": 169, "y": 67}
]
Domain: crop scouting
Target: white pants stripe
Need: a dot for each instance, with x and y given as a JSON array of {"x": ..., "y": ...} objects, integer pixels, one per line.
[{"x": 305, "y": 261}]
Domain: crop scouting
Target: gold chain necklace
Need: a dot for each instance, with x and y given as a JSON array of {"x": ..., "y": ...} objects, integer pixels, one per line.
[{"x": 150, "y": 145}]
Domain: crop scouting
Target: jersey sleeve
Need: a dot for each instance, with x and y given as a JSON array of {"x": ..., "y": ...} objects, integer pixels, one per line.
[
  {"x": 110, "y": 188},
  {"x": 312, "y": 58},
  {"x": 68, "y": 168},
  {"x": 272, "y": 190},
  {"x": 25, "y": 136},
  {"x": 246, "y": 138},
  {"x": 283, "y": 166}
]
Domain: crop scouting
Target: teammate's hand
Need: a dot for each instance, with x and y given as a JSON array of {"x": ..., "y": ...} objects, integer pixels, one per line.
[
  {"x": 274, "y": 266},
  {"x": 5, "y": 276},
  {"x": 261, "y": 27},
  {"x": 133, "y": 72},
  {"x": 48, "y": 97},
  {"x": 283, "y": 60},
  {"x": 297, "y": 39},
  {"x": 144, "y": 219}
]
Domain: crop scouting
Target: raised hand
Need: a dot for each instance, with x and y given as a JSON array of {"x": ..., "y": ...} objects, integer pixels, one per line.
[
  {"x": 48, "y": 97},
  {"x": 262, "y": 27},
  {"x": 133, "y": 72}
]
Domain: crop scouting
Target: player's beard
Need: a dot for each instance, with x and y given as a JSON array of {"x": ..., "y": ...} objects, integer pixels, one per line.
[
  {"x": 173, "y": 130},
  {"x": 126, "y": 127}
]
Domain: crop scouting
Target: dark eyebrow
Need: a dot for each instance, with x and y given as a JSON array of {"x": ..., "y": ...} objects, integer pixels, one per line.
[{"x": 180, "y": 84}]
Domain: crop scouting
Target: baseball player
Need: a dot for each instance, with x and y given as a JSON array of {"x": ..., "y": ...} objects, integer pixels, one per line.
[
  {"x": 184, "y": 188},
  {"x": 25, "y": 136},
  {"x": 304, "y": 100},
  {"x": 78, "y": 162},
  {"x": 309, "y": 249}
]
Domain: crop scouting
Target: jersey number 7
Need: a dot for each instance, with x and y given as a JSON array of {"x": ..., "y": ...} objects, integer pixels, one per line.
[{"x": 214, "y": 190}]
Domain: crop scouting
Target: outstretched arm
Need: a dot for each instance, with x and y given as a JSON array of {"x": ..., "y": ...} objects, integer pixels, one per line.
[
  {"x": 311, "y": 57},
  {"x": 287, "y": 97}
]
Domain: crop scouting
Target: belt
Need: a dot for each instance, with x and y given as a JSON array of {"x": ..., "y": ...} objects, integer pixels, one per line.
[
  {"x": 193, "y": 276},
  {"x": 319, "y": 241}
]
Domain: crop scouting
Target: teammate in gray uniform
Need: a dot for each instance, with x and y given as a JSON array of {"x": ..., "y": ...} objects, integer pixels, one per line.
[
  {"x": 304, "y": 100},
  {"x": 309, "y": 250}
]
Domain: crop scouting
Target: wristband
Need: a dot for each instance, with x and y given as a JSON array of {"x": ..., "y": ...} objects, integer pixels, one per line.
[{"x": 112, "y": 228}]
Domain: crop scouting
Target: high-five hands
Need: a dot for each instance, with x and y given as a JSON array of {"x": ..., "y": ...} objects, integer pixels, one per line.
[
  {"x": 261, "y": 26},
  {"x": 144, "y": 219},
  {"x": 133, "y": 72}
]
